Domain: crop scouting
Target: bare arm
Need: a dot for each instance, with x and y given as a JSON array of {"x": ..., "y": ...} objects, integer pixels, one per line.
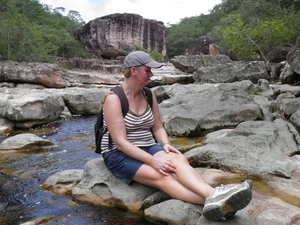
[
  {"x": 159, "y": 131},
  {"x": 116, "y": 126}
]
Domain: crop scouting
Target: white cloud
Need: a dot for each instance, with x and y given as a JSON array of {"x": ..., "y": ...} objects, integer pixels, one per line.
[{"x": 168, "y": 11}]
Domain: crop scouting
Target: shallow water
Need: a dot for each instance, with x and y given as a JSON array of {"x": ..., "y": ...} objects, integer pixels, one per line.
[{"x": 22, "y": 173}]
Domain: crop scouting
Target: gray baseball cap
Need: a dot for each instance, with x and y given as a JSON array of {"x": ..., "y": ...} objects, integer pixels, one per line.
[{"x": 140, "y": 58}]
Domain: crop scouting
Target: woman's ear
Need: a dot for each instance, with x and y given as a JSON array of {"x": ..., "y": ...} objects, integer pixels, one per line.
[{"x": 133, "y": 70}]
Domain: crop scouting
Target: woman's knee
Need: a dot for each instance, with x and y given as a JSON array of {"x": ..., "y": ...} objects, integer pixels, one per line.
[
  {"x": 166, "y": 180},
  {"x": 181, "y": 158}
]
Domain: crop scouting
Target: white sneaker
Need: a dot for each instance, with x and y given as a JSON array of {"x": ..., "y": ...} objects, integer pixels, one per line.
[{"x": 226, "y": 200}]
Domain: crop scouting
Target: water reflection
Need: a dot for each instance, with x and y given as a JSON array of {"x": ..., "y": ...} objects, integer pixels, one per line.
[{"x": 22, "y": 173}]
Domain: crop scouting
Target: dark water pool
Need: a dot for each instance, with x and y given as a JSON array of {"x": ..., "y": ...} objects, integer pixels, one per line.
[{"x": 21, "y": 174}]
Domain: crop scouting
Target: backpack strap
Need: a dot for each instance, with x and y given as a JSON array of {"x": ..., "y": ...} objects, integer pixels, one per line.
[
  {"x": 125, "y": 105},
  {"x": 149, "y": 96},
  {"x": 124, "y": 101}
]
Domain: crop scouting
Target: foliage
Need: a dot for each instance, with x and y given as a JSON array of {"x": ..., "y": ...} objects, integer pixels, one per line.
[
  {"x": 157, "y": 56},
  {"x": 249, "y": 28},
  {"x": 154, "y": 53},
  {"x": 30, "y": 31},
  {"x": 181, "y": 36}
]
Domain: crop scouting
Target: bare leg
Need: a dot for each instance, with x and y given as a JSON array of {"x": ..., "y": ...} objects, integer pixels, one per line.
[
  {"x": 148, "y": 176},
  {"x": 187, "y": 175},
  {"x": 189, "y": 187}
]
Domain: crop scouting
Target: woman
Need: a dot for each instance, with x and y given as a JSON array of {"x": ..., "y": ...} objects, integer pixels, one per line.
[{"x": 136, "y": 155}]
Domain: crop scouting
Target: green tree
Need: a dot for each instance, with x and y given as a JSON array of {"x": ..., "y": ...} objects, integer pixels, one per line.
[{"x": 30, "y": 31}]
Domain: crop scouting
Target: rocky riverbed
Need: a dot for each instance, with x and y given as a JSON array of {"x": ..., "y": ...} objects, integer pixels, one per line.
[{"x": 249, "y": 127}]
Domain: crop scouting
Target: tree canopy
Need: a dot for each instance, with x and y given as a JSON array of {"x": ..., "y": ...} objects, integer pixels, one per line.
[
  {"x": 31, "y": 31},
  {"x": 249, "y": 28}
]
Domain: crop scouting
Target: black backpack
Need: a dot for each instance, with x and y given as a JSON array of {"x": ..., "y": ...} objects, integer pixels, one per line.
[{"x": 100, "y": 131}]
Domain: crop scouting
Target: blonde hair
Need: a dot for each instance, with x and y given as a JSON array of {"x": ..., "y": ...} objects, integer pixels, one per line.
[{"x": 127, "y": 71}]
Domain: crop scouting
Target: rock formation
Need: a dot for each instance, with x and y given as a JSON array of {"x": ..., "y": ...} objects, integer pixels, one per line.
[
  {"x": 206, "y": 46},
  {"x": 279, "y": 53},
  {"x": 116, "y": 35}
]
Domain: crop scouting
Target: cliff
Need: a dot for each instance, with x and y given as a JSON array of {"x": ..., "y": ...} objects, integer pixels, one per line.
[{"x": 116, "y": 35}]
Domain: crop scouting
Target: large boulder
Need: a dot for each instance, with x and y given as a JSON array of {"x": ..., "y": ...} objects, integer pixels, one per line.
[
  {"x": 231, "y": 72},
  {"x": 256, "y": 147},
  {"x": 49, "y": 75},
  {"x": 200, "y": 46},
  {"x": 206, "y": 46},
  {"x": 279, "y": 53},
  {"x": 117, "y": 34},
  {"x": 192, "y": 110},
  {"x": 28, "y": 109},
  {"x": 191, "y": 63},
  {"x": 98, "y": 186}
]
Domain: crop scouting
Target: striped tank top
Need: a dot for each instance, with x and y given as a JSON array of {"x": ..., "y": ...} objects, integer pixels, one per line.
[{"x": 138, "y": 128}]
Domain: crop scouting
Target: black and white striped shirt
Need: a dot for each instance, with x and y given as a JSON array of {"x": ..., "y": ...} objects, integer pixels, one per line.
[{"x": 138, "y": 128}]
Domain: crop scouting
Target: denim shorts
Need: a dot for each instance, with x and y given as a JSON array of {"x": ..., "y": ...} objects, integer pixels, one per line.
[{"x": 124, "y": 167}]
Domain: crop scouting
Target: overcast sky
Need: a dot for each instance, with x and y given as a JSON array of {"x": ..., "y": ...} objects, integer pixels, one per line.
[{"x": 167, "y": 11}]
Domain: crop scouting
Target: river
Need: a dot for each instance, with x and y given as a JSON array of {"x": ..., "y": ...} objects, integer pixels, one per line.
[{"x": 22, "y": 173}]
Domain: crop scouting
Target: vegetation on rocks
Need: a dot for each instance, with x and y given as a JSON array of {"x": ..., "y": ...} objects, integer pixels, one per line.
[
  {"x": 249, "y": 28},
  {"x": 35, "y": 32}
]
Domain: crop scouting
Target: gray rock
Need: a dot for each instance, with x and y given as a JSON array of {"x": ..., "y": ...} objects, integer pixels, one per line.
[
  {"x": 83, "y": 101},
  {"x": 99, "y": 186},
  {"x": 27, "y": 109},
  {"x": 197, "y": 108},
  {"x": 190, "y": 64},
  {"x": 256, "y": 147},
  {"x": 293, "y": 58},
  {"x": 288, "y": 104},
  {"x": 63, "y": 182},
  {"x": 6, "y": 125},
  {"x": 295, "y": 119},
  {"x": 174, "y": 212},
  {"x": 49, "y": 75},
  {"x": 231, "y": 72},
  {"x": 116, "y": 35},
  {"x": 287, "y": 76},
  {"x": 26, "y": 142}
]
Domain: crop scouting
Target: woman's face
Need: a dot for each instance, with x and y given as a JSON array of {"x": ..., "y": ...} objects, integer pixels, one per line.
[{"x": 143, "y": 74}]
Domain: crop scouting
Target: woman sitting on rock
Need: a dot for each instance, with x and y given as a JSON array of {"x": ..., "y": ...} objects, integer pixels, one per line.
[{"x": 140, "y": 150}]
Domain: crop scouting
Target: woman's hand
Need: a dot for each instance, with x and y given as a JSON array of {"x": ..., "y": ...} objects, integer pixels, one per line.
[
  {"x": 167, "y": 147},
  {"x": 164, "y": 165}
]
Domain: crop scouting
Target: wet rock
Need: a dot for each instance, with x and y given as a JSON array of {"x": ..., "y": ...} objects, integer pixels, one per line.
[
  {"x": 5, "y": 125},
  {"x": 271, "y": 210},
  {"x": 28, "y": 109},
  {"x": 26, "y": 142},
  {"x": 63, "y": 182}
]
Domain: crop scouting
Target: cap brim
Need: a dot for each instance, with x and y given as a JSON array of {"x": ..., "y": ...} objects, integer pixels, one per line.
[{"x": 154, "y": 64}]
